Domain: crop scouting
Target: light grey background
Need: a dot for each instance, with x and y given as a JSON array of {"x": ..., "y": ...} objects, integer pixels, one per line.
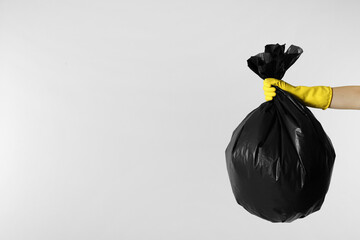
[{"x": 115, "y": 115}]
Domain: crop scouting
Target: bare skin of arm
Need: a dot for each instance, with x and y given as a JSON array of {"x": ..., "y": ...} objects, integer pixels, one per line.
[{"x": 347, "y": 97}]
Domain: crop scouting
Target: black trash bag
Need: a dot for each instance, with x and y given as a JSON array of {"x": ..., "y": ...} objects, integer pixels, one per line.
[{"x": 279, "y": 158}]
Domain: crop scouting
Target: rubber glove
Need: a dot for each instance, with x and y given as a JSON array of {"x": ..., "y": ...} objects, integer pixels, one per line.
[{"x": 317, "y": 97}]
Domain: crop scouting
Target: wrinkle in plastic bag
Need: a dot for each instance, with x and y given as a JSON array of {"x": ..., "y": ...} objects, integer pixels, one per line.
[{"x": 279, "y": 158}]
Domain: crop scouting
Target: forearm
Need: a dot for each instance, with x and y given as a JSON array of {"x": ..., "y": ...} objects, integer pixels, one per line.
[{"x": 347, "y": 97}]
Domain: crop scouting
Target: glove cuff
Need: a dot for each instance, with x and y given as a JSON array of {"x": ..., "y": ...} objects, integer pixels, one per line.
[
  {"x": 330, "y": 95},
  {"x": 317, "y": 97}
]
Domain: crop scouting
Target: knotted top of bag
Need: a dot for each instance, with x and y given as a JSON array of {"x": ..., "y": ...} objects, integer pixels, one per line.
[{"x": 274, "y": 62}]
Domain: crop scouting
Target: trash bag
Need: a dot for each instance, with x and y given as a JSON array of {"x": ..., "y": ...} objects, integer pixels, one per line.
[{"x": 279, "y": 158}]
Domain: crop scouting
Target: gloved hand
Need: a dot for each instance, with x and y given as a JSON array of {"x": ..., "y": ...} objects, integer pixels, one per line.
[{"x": 317, "y": 97}]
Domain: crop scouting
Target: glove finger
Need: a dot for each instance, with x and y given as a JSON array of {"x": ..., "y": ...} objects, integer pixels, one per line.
[
  {"x": 269, "y": 88},
  {"x": 271, "y": 81},
  {"x": 268, "y": 85},
  {"x": 268, "y": 98},
  {"x": 270, "y": 94}
]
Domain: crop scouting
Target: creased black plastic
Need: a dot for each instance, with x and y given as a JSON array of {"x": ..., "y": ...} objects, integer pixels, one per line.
[
  {"x": 274, "y": 62},
  {"x": 279, "y": 159}
]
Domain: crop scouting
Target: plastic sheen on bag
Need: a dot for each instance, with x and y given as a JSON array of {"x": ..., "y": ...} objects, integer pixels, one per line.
[{"x": 279, "y": 159}]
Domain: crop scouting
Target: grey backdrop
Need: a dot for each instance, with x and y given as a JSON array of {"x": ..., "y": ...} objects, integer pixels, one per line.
[{"x": 115, "y": 115}]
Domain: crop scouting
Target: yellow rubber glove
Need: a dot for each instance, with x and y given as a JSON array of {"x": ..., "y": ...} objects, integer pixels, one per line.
[{"x": 317, "y": 97}]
